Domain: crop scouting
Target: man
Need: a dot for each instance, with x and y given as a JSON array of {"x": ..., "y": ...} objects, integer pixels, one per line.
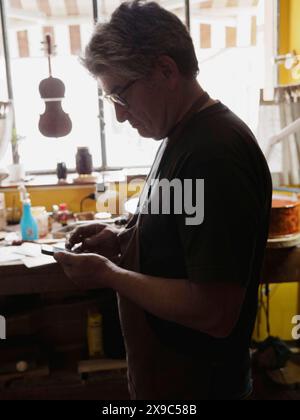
[{"x": 187, "y": 287}]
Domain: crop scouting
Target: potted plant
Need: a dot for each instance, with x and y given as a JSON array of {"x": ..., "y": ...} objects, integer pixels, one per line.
[{"x": 16, "y": 170}]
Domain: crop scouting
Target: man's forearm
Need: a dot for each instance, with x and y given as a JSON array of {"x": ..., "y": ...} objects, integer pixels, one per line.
[{"x": 176, "y": 300}]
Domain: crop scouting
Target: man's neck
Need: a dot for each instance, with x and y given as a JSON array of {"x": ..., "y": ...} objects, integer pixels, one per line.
[{"x": 191, "y": 91}]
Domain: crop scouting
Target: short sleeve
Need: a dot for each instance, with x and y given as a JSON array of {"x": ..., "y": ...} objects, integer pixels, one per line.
[{"x": 222, "y": 247}]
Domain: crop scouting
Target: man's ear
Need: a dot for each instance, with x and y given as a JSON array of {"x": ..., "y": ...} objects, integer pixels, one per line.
[{"x": 168, "y": 70}]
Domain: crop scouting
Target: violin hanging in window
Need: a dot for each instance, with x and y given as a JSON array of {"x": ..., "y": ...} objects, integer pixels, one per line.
[{"x": 54, "y": 122}]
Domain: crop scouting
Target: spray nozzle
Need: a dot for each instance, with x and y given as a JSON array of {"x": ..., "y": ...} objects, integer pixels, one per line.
[{"x": 24, "y": 195}]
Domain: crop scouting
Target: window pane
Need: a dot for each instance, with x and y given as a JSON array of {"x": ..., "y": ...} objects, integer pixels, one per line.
[
  {"x": 229, "y": 41},
  {"x": 70, "y": 23},
  {"x": 124, "y": 145},
  {"x": 41, "y": 153},
  {"x": 228, "y": 44},
  {"x": 3, "y": 84},
  {"x": 5, "y": 158}
]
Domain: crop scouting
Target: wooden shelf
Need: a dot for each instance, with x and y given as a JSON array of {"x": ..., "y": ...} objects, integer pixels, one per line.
[{"x": 64, "y": 385}]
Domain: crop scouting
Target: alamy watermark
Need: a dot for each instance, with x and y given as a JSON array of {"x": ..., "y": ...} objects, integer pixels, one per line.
[
  {"x": 296, "y": 329},
  {"x": 160, "y": 196},
  {"x": 2, "y": 328}
]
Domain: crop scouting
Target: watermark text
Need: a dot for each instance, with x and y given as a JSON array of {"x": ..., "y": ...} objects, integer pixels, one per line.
[
  {"x": 296, "y": 329},
  {"x": 2, "y": 328}
]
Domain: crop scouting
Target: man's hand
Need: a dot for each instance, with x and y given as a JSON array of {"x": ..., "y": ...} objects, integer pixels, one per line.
[
  {"x": 96, "y": 238},
  {"x": 88, "y": 271}
]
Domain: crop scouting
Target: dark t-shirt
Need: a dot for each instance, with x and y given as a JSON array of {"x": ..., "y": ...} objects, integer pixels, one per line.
[{"x": 229, "y": 245}]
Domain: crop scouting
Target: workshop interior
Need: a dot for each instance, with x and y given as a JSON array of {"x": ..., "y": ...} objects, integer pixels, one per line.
[{"x": 67, "y": 162}]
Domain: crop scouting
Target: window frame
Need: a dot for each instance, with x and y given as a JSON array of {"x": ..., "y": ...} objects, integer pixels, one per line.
[{"x": 103, "y": 144}]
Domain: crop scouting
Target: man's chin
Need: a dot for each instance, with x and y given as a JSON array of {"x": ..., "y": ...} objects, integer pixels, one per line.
[{"x": 143, "y": 132}]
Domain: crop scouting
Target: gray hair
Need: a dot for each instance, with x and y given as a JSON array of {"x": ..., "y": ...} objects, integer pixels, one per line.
[{"x": 137, "y": 34}]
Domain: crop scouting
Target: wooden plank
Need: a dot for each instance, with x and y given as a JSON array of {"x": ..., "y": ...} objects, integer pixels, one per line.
[
  {"x": 75, "y": 39},
  {"x": 44, "y": 6},
  {"x": 72, "y": 7},
  {"x": 282, "y": 265},
  {"x": 205, "y": 36},
  {"x": 231, "y": 37},
  {"x": 101, "y": 365},
  {"x": 232, "y": 3},
  {"x": 22, "y": 37},
  {"x": 18, "y": 280},
  {"x": 206, "y": 4},
  {"x": 253, "y": 30},
  {"x": 15, "y": 4}
]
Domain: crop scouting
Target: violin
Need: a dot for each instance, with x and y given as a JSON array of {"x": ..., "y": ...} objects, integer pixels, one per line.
[{"x": 54, "y": 122}]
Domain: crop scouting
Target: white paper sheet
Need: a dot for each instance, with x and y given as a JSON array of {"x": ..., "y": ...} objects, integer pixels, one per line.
[
  {"x": 7, "y": 255},
  {"x": 29, "y": 254},
  {"x": 27, "y": 250},
  {"x": 38, "y": 261}
]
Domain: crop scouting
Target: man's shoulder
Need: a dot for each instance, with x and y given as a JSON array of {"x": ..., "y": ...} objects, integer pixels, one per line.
[
  {"x": 216, "y": 140},
  {"x": 217, "y": 133}
]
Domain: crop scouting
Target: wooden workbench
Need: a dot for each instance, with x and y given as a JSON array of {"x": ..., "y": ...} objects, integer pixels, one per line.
[
  {"x": 281, "y": 266},
  {"x": 44, "y": 309},
  {"x": 19, "y": 280}
]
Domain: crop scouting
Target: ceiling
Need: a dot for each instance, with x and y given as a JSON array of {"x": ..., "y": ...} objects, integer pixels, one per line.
[{"x": 220, "y": 23}]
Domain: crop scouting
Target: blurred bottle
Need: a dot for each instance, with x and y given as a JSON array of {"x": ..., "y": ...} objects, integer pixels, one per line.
[
  {"x": 63, "y": 214},
  {"x": 3, "y": 214},
  {"x": 53, "y": 223},
  {"x": 41, "y": 216},
  {"x": 29, "y": 226},
  {"x": 84, "y": 161},
  {"x": 95, "y": 334},
  {"x": 61, "y": 171}
]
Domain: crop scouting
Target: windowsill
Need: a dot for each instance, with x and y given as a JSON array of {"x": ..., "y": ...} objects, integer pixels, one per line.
[{"x": 38, "y": 181}]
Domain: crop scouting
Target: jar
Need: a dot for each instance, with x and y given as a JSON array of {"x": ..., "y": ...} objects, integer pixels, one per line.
[
  {"x": 95, "y": 334},
  {"x": 61, "y": 171},
  {"x": 41, "y": 216},
  {"x": 84, "y": 161},
  {"x": 63, "y": 214},
  {"x": 2, "y": 212},
  {"x": 13, "y": 216}
]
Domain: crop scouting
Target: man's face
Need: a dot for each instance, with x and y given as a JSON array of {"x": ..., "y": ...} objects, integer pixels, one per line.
[{"x": 147, "y": 103}]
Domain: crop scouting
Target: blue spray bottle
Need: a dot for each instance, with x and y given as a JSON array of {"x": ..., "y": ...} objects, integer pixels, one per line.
[{"x": 29, "y": 226}]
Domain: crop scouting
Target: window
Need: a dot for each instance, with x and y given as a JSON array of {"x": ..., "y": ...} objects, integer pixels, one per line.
[
  {"x": 229, "y": 40},
  {"x": 228, "y": 36},
  {"x": 41, "y": 153},
  {"x": 3, "y": 87},
  {"x": 70, "y": 22},
  {"x": 70, "y": 27},
  {"x": 5, "y": 152}
]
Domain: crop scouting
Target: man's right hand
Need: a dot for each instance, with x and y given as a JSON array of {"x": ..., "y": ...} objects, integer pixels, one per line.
[{"x": 96, "y": 238}]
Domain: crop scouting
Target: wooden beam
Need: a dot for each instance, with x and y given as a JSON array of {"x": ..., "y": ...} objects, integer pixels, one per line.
[
  {"x": 231, "y": 37},
  {"x": 72, "y": 7},
  {"x": 205, "y": 36},
  {"x": 23, "y": 44},
  {"x": 75, "y": 39}
]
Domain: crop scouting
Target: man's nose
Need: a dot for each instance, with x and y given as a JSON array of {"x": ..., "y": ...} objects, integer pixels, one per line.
[{"x": 121, "y": 113}]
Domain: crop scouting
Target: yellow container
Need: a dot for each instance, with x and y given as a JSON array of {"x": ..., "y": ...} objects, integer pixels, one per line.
[{"x": 95, "y": 335}]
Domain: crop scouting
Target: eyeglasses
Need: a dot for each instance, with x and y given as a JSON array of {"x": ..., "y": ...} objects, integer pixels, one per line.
[{"x": 116, "y": 98}]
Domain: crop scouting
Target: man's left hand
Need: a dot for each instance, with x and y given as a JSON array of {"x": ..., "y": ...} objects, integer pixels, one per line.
[{"x": 88, "y": 271}]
